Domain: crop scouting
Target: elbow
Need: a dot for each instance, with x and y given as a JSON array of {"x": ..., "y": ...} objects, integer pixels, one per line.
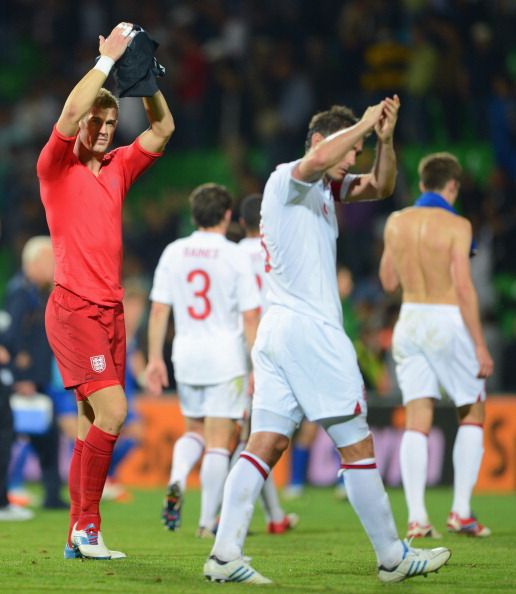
[
  {"x": 169, "y": 127},
  {"x": 165, "y": 128},
  {"x": 386, "y": 190}
]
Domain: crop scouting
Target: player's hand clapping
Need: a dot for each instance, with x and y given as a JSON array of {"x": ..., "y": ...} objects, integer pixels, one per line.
[
  {"x": 384, "y": 127},
  {"x": 117, "y": 41},
  {"x": 373, "y": 114}
]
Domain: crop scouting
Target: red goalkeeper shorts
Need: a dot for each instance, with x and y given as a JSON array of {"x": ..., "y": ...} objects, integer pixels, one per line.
[{"x": 88, "y": 341}]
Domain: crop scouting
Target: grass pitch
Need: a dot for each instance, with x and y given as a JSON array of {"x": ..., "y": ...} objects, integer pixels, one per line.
[{"x": 328, "y": 552}]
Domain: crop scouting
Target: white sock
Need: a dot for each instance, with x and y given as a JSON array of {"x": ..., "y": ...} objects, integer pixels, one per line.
[
  {"x": 367, "y": 495},
  {"x": 214, "y": 470},
  {"x": 414, "y": 468},
  {"x": 236, "y": 454},
  {"x": 270, "y": 501},
  {"x": 243, "y": 485},
  {"x": 187, "y": 451},
  {"x": 467, "y": 456}
]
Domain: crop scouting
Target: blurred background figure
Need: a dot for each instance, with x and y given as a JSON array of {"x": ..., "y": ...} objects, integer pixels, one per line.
[
  {"x": 31, "y": 366},
  {"x": 135, "y": 310}
]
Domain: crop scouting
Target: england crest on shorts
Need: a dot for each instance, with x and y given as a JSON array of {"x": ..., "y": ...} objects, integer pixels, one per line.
[{"x": 98, "y": 363}]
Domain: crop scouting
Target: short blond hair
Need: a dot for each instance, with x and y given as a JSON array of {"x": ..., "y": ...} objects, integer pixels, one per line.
[{"x": 106, "y": 100}]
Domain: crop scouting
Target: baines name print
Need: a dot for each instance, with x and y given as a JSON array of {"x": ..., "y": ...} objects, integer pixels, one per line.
[{"x": 200, "y": 253}]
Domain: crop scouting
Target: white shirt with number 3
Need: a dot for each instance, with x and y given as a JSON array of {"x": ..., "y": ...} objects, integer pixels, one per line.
[{"x": 209, "y": 281}]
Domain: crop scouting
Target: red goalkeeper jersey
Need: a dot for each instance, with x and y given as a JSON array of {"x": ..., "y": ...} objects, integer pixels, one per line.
[{"x": 84, "y": 214}]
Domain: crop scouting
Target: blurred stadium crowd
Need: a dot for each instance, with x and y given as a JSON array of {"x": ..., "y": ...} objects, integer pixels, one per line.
[{"x": 243, "y": 78}]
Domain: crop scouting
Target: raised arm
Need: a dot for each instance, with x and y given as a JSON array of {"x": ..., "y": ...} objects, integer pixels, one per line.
[
  {"x": 156, "y": 376},
  {"x": 381, "y": 181},
  {"x": 86, "y": 90},
  {"x": 468, "y": 300},
  {"x": 161, "y": 122},
  {"x": 388, "y": 275},
  {"x": 333, "y": 148}
]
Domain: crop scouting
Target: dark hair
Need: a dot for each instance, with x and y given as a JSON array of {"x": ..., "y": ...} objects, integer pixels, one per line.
[
  {"x": 250, "y": 211},
  {"x": 437, "y": 169},
  {"x": 209, "y": 204},
  {"x": 332, "y": 120}
]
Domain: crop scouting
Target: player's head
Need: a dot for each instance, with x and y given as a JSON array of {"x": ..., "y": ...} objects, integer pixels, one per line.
[
  {"x": 325, "y": 123},
  {"x": 440, "y": 173},
  {"x": 38, "y": 260},
  {"x": 211, "y": 206},
  {"x": 250, "y": 213},
  {"x": 97, "y": 127}
]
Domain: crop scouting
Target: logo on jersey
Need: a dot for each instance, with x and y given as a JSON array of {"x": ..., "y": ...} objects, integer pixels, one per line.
[
  {"x": 325, "y": 209},
  {"x": 98, "y": 363}
]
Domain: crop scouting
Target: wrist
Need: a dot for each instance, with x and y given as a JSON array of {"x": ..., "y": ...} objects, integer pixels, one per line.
[{"x": 104, "y": 64}]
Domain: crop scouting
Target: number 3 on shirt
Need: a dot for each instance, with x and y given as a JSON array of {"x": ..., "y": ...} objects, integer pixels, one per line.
[{"x": 202, "y": 307}]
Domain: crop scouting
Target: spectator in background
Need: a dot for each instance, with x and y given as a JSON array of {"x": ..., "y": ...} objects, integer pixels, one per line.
[
  {"x": 8, "y": 512},
  {"x": 31, "y": 357}
]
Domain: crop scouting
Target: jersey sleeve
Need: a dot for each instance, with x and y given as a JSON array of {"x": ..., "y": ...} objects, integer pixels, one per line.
[
  {"x": 56, "y": 155},
  {"x": 248, "y": 293},
  {"x": 136, "y": 160},
  {"x": 162, "y": 287},
  {"x": 287, "y": 189},
  {"x": 340, "y": 189}
]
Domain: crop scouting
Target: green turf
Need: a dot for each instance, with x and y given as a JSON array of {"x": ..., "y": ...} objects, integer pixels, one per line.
[{"x": 328, "y": 552}]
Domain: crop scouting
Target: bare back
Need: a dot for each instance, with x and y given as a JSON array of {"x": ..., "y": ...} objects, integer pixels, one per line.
[{"x": 422, "y": 243}]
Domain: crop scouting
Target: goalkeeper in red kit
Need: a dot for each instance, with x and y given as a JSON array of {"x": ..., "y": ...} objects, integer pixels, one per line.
[{"x": 83, "y": 189}]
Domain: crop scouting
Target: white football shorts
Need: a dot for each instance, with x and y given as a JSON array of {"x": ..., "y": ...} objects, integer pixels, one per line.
[
  {"x": 227, "y": 400},
  {"x": 432, "y": 348},
  {"x": 304, "y": 366}
]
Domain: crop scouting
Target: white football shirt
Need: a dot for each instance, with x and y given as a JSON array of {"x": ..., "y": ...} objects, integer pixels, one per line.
[
  {"x": 209, "y": 281},
  {"x": 299, "y": 232},
  {"x": 253, "y": 246}
]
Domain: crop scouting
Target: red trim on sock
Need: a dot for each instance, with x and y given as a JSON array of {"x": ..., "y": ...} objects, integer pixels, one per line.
[
  {"x": 481, "y": 425},
  {"x": 358, "y": 466},
  {"x": 258, "y": 467},
  {"x": 195, "y": 437},
  {"x": 217, "y": 453}
]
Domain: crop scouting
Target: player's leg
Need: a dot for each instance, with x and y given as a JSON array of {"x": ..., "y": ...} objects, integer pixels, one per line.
[
  {"x": 186, "y": 452},
  {"x": 300, "y": 454},
  {"x": 242, "y": 488},
  {"x": 218, "y": 435},
  {"x": 85, "y": 419},
  {"x": 109, "y": 407},
  {"x": 414, "y": 465},
  {"x": 225, "y": 404},
  {"x": 467, "y": 457},
  {"x": 396, "y": 560}
]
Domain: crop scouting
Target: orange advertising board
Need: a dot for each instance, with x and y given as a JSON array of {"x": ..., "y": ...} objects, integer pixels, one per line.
[
  {"x": 149, "y": 464},
  {"x": 498, "y": 470}
]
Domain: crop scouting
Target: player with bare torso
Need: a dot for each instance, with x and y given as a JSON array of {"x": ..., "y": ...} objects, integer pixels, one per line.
[{"x": 438, "y": 340}]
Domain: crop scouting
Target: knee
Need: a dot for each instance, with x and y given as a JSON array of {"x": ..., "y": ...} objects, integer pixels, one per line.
[
  {"x": 267, "y": 446},
  {"x": 111, "y": 418}
]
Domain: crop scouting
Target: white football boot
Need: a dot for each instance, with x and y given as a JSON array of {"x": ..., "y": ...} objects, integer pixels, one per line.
[
  {"x": 237, "y": 570},
  {"x": 415, "y": 562}
]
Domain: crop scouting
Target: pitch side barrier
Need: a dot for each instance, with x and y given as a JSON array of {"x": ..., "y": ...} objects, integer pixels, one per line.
[{"x": 149, "y": 464}]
